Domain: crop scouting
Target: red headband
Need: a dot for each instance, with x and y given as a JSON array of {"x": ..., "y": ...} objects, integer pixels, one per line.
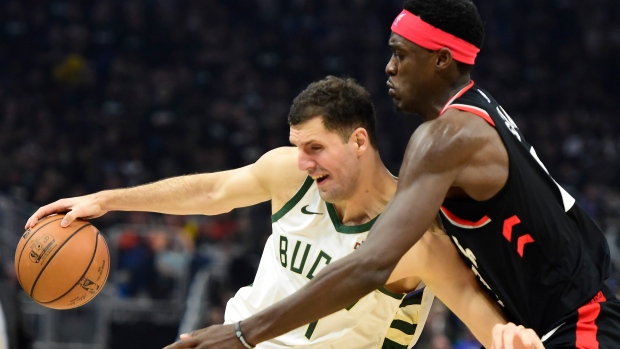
[{"x": 414, "y": 29}]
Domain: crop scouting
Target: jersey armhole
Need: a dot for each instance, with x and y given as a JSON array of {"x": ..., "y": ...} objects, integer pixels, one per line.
[{"x": 474, "y": 110}]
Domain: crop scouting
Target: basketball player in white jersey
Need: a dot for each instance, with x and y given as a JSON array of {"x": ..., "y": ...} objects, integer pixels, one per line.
[{"x": 326, "y": 192}]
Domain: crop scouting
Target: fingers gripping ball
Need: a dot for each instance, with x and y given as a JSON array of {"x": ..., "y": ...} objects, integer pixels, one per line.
[{"x": 62, "y": 268}]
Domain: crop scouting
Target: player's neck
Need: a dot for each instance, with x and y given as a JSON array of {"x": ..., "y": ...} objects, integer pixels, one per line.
[
  {"x": 443, "y": 96},
  {"x": 376, "y": 188}
]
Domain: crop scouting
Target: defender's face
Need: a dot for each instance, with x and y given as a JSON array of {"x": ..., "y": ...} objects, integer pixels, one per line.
[
  {"x": 409, "y": 69},
  {"x": 332, "y": 162}
]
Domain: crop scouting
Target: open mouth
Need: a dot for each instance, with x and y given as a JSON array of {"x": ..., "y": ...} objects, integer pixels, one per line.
[{"x": 320, "y": 179}]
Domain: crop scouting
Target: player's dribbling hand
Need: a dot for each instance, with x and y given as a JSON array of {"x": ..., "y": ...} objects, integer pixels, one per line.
[
  {"x": 213, "y": 337},
  {"x": 86, "y": 207},
  {"x": 511, "y": 336}
]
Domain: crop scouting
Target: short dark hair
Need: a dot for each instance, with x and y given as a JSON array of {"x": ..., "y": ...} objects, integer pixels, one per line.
[
  {"x": 343, "y": 104},
  {"x": 457, "y": 17}
]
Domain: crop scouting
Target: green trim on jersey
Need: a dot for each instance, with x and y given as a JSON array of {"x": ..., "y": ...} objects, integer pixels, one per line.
[
  {"x": 404, "y": 326},
  {"x": 293, "y": 201},
  {"x": 411, "y": 300},
  {"x": 347, "y": 229},
  {"x": 389, "y": 344},
  {"x": 391, "y": 294}
]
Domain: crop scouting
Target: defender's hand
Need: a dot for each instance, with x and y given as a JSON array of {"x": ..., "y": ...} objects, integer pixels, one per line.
[
  {"x": 213, "y": 337},
  {"x": 511, "y": 336}
]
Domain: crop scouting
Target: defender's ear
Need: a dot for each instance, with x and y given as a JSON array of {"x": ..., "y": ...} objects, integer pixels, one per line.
[{"x": 444, "y": 58}]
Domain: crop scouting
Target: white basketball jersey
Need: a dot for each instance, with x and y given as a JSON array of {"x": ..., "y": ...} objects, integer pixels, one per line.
[{"x": 308, "y": 235}]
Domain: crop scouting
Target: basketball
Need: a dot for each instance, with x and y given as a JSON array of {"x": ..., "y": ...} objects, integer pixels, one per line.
[{"x": 62, "y": 268}]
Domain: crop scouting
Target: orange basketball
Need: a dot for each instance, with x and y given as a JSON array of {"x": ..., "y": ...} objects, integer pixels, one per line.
[{"x": 62, "y": 268}]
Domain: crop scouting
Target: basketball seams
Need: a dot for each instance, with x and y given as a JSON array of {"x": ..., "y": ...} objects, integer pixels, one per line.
[
  {"x": 24, "y": 247},
  {"x": 85, "y": 270},
  {"x": 53, "y": 255},
  {"x": 109, "y": 260}
]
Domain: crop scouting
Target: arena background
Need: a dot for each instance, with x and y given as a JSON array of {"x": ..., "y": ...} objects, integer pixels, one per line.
[{"x": 113, "y": 93}]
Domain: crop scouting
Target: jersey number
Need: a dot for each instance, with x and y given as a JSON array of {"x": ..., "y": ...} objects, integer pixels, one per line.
[
  {"x": 313, "y": 324},
  {"x": 474, "y": 266}
]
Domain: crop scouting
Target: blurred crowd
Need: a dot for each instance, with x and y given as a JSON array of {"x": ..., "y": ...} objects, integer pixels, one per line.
[{"x": 112, "y": 93}]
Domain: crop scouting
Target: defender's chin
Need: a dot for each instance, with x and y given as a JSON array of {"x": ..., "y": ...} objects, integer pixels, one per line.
[{"x": 397, "y": 104}]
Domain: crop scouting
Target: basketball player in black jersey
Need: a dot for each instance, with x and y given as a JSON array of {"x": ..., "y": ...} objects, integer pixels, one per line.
[{"x": 530, "y": 244}]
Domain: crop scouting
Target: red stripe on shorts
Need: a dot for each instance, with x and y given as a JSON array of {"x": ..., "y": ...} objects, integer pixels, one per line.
[{"x": 586, "y": 328}]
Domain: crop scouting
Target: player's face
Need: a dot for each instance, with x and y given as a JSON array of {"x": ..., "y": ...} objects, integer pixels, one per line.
[
  {"x": 409, "y": 71},
  {"x": 332, "y": 162}
]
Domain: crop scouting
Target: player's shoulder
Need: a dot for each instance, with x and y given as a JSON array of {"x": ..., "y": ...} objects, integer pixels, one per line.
[
  {"x": 458, "y": 124},
  {"x": 454, "y": 135},
  {"x": 278, "y": 169},
  {"x": 283, "y": 156}
]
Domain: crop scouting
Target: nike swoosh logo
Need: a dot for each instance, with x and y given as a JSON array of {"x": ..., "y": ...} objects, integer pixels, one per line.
[{"x": 304, "y": 210}]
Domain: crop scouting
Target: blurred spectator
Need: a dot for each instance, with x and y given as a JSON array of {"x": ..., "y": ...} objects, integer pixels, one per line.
[
  {"x": 136, "y": 266},
  {"x": 466, "y": 340},
  {"x": 14, "y": 334},
  {"x": 440, "y": 341}
]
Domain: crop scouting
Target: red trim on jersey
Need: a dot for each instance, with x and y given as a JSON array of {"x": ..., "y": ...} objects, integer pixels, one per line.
[
  {"x": 457, "y": 95},
  {"x": 464, "y": 223},
  {"x": 521, "y": 241},
  {"x": 474, "y": 110},
  {"x": 508, "y": 224},
  {"x": 585, "y": 336}
]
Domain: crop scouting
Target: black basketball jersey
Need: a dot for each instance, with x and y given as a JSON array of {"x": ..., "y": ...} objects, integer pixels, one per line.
[{"x": 531, "y": 245}]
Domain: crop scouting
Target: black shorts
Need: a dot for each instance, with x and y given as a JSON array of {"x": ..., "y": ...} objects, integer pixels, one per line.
[{"x": 596, "y": 325}]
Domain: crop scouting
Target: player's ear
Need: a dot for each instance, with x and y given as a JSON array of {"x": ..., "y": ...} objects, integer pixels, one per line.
[
  {"x": 360, "y": 140},
  {"x": 444, "y": 58}
]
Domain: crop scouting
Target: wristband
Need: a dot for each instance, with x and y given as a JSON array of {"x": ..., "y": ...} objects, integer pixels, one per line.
[{"x": 240, "y": 335}]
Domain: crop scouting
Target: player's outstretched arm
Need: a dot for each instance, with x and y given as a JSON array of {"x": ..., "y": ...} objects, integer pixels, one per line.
[{"x": 206, "y": 193}]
